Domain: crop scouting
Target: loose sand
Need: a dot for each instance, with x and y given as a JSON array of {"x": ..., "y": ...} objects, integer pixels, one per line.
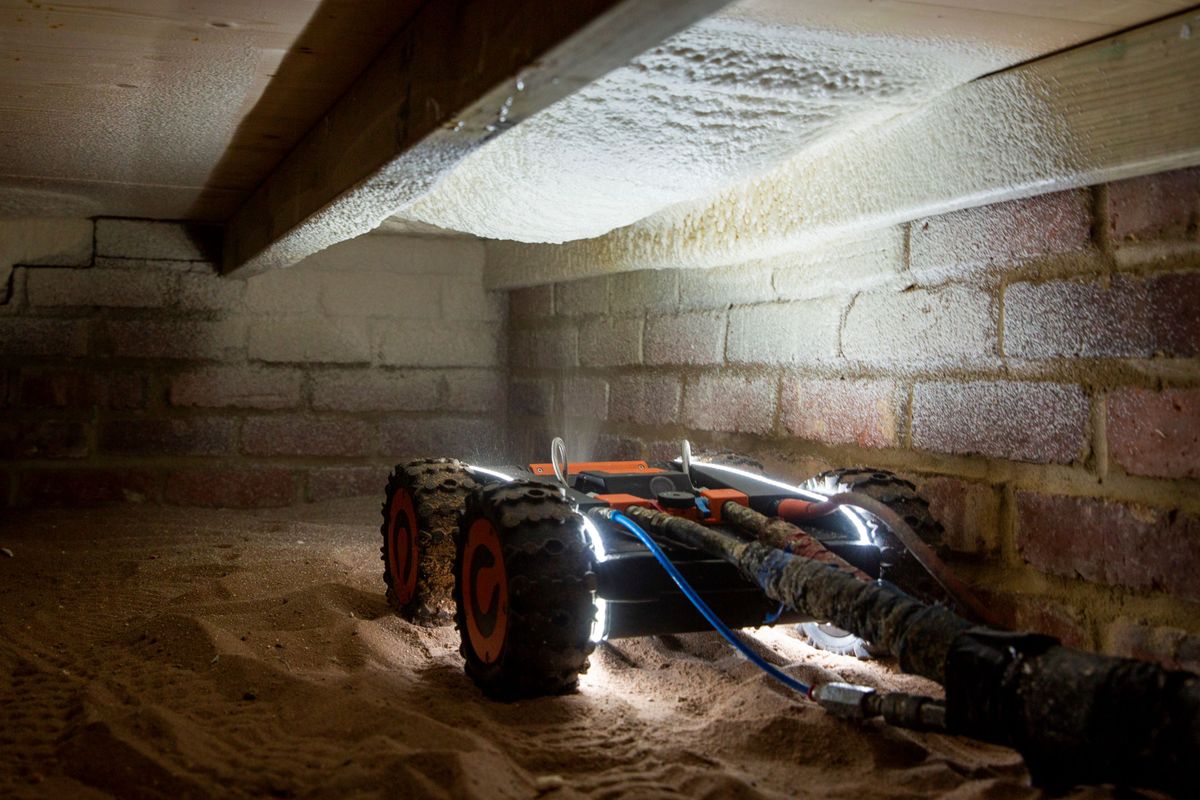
[{"x": 152, "y": 652}]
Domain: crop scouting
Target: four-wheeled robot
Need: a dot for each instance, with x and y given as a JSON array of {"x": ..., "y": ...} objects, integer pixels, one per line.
[{"x": 533, "y": 577}]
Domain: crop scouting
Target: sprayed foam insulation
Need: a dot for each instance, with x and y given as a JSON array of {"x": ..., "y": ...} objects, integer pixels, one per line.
[{"x": 720, "y": 103}]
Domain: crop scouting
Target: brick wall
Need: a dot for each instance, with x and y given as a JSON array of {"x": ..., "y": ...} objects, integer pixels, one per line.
[
  {"x": 1035, "y": 365},
  {"x": 143, "y": 376}
]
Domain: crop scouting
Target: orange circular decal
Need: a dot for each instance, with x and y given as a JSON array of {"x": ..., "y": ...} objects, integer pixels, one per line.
[
  {"x": 485, "y": 592},
  {"x": 402, "y": 546}
]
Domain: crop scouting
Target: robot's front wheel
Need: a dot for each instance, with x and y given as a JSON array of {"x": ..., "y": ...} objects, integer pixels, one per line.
[{"x": 524, "y": 585}]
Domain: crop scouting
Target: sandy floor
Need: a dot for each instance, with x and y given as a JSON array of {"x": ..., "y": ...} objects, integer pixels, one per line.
[{"x": 167, "y": 653}]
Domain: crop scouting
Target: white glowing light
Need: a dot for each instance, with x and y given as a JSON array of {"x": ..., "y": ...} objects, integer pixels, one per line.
[
  {"x": 491, "y": 472},
  {"x": 600, "y": 622},
  {"x": 860, "y": 527},
  {"x": 594, "y": 537}
]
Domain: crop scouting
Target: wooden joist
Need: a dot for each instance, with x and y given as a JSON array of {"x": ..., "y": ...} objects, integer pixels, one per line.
[
  {"x": 1117, "y": 108},
  {"x": 459, "y": 73}
]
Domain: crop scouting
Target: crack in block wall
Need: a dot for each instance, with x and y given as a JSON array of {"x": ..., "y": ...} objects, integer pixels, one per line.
[
  {"x": 143, "y": 376},
  {"x": 1033, "y": 365}
]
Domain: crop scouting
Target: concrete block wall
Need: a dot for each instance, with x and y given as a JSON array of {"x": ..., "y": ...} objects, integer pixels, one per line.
[
  {"x": 135, "y": 373},
  {"x": 1033, "y": 365}
]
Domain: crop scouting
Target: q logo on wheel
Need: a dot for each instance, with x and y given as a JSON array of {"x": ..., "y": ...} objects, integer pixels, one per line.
[
  {"x": 485, "y": 596},
  {"x": 402, "y": 546}
]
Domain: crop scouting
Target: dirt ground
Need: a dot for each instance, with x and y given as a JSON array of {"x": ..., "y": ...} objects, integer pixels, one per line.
[{"x": 150, "y": 652}]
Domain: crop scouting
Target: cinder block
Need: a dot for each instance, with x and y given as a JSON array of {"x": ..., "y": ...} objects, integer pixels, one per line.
[
  {"x": 1127, "y": 316},
  {"x": 951, "y": 325},
  {"x": 237, "y": 387},
  {"x": 232, "y": 487},
  {"x": 60, "y": 388},
  {"x": 309, "y": 339},
  {"x": 294, "y": 291},
  {"x": 1038, "y": 422},
  {"x": 535, "y": 302},
  {"x": 137, "y": 238},
  {"x": 1162, "y": 206},
  {"x": 57, "y": 242},
  {"x": 865, "y": 413},
  {"x": 439, "y": 344},
  {"x": 694, "y": 338},
  {"x": 474, "y": 390},
  {"x": 582, "y": 297},
  {"x": 1113, "y": 543},
  {"x": 116, "y": 288},
  {"x": 585, "y": 397},
  {"x": 610, "y": 342},
  {"x": 380, "y": 294},
  {"x": 1155, "y": 433},
  {"x": 464, "y": 298},
  {"x": 23, "y": 336},
  {"x": 722, "y": 287},
  {"x": 209, "y": 292},
  {"x": 791, "y": 334},
  {"x": 531, "y": 398},
  {"x": 307, "y": 435},
  {"x": 157, "y": 436},
  {"x": 329, "y": 482},
  {"x": 1002, "y": 234},
  {"x": 474, "y": 439},
  {"x": 645, "y": 399},
  {"x": 374, "y": 390},
  {"x": 731, "y": 403},
  {"x": 223, "y": 340},
  {"x": 854, "y": 263},
  {"x": 646, "y": 290}
]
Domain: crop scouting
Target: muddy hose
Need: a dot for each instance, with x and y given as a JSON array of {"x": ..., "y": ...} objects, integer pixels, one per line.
[
  {"x": 1075, "y": 717},
  {"x": 779, "y": 533},
  {"x": 955, "y": 588}
]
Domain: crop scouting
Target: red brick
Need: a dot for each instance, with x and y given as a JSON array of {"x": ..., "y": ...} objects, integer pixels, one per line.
[
  {"x": 1155, "y": 433},
  {"x": 375, "y": 390},
  {"x": 42, "y": 337},
  {"x": 585, "y": 397},
  {"x": 645, "y": 399},
  {"x": 473, "y": 439},
  {"x": 43, "y": 439},
  {"x": 231, "y": 488},
  {"x": 195, "y": 436},
  {"x": 78, "y": 389},
  {"x": 969, "y": 513},
  {"x": 236, "y": 387},
  {"x": 697, "y": 338},
  {"x": 610, "y": 342},
  {"x": 1154, "y": 206},
  {"x": 842, "y": 412},
  {"x": 86, "y": 487},
  {"x": 1122, "y": 317},
  {"x": 1037, "y": 422},
  {"x": 531, "y": 303},
  {"x": 60, "y": 389},
  {"x": 324, "y": 484},
  {"x": 302, "y": 435},
  {"x": 531, "y": 398},
  {"x": 1113, "y": 543},
  {"x": 730, "y": 403},
  {"x": 1020, "y": 612},
  {"x": 1174, "y": 648},
  {"x": 1002, "y": 233}
]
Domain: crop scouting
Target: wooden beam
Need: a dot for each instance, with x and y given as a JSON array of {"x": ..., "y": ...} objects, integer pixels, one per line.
[
  {"x": 1117, "y": 108},
  {"x": 460, "y": 73}
]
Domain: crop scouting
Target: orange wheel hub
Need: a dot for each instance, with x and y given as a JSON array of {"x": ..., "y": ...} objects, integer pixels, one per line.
[
  {"x": 485, "y": 594},
  {"x": 402, "y": 546}
]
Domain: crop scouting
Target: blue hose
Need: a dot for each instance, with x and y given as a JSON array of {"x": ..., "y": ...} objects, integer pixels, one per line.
[{"x": 702, "y": 607}]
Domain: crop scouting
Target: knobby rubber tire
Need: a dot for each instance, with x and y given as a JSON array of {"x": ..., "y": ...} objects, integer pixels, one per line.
[
  {"x": 549, "y": 567},
  {"x": 438, "y": 488}
]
